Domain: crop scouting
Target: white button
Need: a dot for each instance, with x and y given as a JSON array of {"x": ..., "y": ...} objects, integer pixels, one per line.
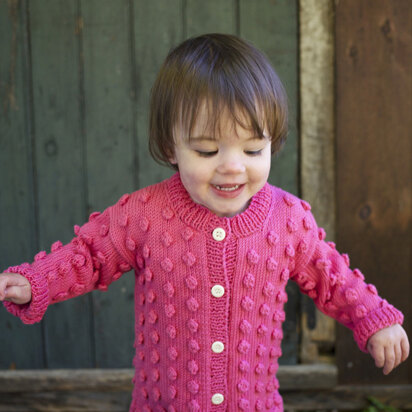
[
  {"x": 218, "y": 347},
  {"x": 218, "y": 291},
  {"x": 217, "y": 399},
  {"x": 219, "y": 234}
]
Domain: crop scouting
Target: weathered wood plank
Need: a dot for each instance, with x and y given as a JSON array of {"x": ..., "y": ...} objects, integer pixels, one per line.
[
  {"x": 110, "y": 157},
  {"x": 158, "y": 26},
  {"x": 215, "y": 16},
  {"x": 317, "y": 171},
  {"x": 273, "y": 27},
  {"x": 374, "y": 106},
  {"x": 17, "y": 205},
  {"x": 296, "y": 377},
  {"x": 59, "y": 166}
]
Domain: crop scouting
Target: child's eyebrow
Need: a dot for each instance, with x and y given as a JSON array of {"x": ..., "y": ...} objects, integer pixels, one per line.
[{"x": 209, "y": 138}]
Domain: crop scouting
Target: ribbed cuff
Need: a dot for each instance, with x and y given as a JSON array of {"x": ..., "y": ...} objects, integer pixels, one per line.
[
  {"x": 375, "y": 321},
  {"x": 33, "y": 311}
]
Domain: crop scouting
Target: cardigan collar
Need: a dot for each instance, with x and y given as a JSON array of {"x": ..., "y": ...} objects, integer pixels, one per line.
[{"x": 201, "y": 218}]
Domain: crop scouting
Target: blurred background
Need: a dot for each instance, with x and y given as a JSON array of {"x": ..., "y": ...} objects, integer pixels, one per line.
[{"x": 75, "y": 79}]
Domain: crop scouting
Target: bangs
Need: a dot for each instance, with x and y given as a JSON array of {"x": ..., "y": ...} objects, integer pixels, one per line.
[{"x": 220, "y": 73}]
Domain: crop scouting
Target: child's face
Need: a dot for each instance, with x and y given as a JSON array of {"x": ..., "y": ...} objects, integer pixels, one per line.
[{"x": 222, "y": 172}]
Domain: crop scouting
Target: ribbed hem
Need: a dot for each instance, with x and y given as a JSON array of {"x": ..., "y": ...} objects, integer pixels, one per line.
[
  {"x": 375, "y": 321},
  {"x": 31, "y": 312},
  {"x": 201, "y": 218}
]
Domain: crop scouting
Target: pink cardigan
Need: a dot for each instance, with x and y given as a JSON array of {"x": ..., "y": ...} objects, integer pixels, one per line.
[{"x": 209, "y": 291}]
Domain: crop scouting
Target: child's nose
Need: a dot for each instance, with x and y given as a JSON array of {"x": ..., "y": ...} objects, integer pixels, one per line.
[{"x": 231, "y": 165}]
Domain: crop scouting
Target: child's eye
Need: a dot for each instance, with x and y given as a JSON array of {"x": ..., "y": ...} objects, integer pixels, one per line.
[
  {"x": 253, "y": 152},
  {"x": 206, "y": 154}
]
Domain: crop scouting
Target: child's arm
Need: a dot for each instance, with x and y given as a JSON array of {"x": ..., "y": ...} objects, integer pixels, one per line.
[
  {"x": 389, "y": 347},
  {"x": 340, "y": 292},
  {"x": 90, "y": 261}
]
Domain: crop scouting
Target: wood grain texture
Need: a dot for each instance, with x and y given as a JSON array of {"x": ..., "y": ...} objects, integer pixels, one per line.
[
  {"x": 110, "y": 157},
  {"x": 17, "y": 184},
  {"x": 374, "y": 106}
]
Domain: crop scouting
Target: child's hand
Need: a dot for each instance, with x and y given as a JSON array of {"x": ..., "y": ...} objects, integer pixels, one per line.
[
  {"x": 14, "y": 288},
  {"x": 389, "y": 347}
]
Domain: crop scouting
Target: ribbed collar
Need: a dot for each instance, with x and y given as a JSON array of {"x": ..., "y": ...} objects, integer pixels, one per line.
[{"x": 201, "y": 218}]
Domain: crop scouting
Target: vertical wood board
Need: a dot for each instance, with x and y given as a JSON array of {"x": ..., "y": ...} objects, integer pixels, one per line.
[
  {"x": 17, "y": 211},
  {"x": 374, "y": 90}
]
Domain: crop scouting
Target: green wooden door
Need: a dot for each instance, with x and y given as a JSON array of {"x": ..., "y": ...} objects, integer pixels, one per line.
[{"x": 75, "y": 78}]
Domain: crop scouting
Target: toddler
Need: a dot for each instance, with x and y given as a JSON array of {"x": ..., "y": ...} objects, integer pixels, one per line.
[{"x": 213, "y": 247}]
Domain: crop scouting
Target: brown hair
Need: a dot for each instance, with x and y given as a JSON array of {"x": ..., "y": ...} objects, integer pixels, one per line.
[{"x": 230, "y": 74}]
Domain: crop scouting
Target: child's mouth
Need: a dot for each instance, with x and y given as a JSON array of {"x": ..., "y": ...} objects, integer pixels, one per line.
[{"x": 227, "y": 188}]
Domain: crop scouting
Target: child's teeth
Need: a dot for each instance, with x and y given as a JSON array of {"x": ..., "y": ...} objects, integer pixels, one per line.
[{"x": 228, "y": 189}]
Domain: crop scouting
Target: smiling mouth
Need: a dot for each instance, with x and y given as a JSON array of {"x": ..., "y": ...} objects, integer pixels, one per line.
[{"x": 227, "y": 188}]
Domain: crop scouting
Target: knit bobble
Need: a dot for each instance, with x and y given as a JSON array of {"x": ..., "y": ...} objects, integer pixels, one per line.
[
  {"x": 191, "y": 282},
  {"x": 193, "y": 346},
  {"x": 192, "y": 325},
  {"x": 140, "y": 319},
  {"x": 262, "y": 330},
  {"x": 277, "y": 334},
  {"x": 289, "y": 251},
  {"x": 170, "y": 310},
  {"x": 361, "y": 311},
  {"x": 243, "y": 385},
  {"x": 259, "y": 369},
  {"x": 187, "y": 234},
  {"x": 252, "y": 257},
  {"x": 272, "y": 238},
  {"x": 192, "y": 304},
  {"x": 155, "y": 375},
  {"x": 275, "y": 352},
  {"x": 130, "y": 244},
  {"x": 189, "y": 259},
  {"x": 259, "y": 405},
  {"x": 332, "y": 245},
  {"x": 261, "y": 350},
  {"x": 76, "y": 229},
  {"x": 289, "y": 199},
  {"x": 321, "y": 233},
  {"x": 151, "y": 296},
  {"x": 142, "y": 375},
  {"x": 358, "y": 274},
  {"x": 39, "y": 256},
  {"x": 154, "y": 356},
  {"x": 123, "y": 220},
  {"x": 244, "y": 366},
  {"x": 345, "y": 318},
  {"x": 372, "y": 289},
  {"x": 56, "y": 246},
  {"x": 167, "y": 213},
  {"x": 193, "y": 367},
  {"x": 336, "y": 279},
  {"x": 243, "y": 346},
  {"x": 167, "y": 265},
  {"x": 64, "y": 268},
  {"x": 302, "y": 247},
  {"x": 291, "y": 225},
  {"x": 264, "y": 309},
  {"x": 271, "y": 264},
  {"x": 259, "y": 387},
  {"x": 78, "y": 261},
  {"x": 171, "y": 374},
  {"x": 268, "y": 289},
  {"x": 249, "y": 280},
  {"x": 323, "y": 264},
  {"x": 152, "y": 317},
  {"x": 140, "y": 338},
  {"x": 104, "y": 230},
  {"x": 245, "y": 327},
  {"x": 166, "y": 239},
  {"x": 346, "y": 259},
  {"x": 281, "y": 297},
  {"x": 306, "y": 206},
  {"x": 351, "y": 296},
  {"x": 143, "y": 196},
  {"x": 193, "y": 387},
  {"x": 279, "y": 316},
  {"x": 172, "y": 353},
  {"x": 272, "y": 369},
  {"x": 146, "y": 251},
  {"x": 171, "y": 331},
  {"x": 243, "y": 404},
  {"x": 93, "y": 216},
  {"x": 193, "y": 406},
  {"x": 139, "y": 261},
  {"x": 307, "y": 224},
  {"x": 247, "y": 303},
  {"x": 168, "y": 289},
  {"x": 124, "y": 199},
  {"x": 124, "y": 267},
  {"x": 156, "y": 394},
  {"x": 284, "y": 275},
  {"x": 144, "y": 224},
  {"x": 148, "y": 275}
]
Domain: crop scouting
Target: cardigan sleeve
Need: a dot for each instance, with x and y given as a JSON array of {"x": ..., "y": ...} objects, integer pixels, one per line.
[
  {"x": 338, "y": 291},
  {"x": 89, "y": 261}
]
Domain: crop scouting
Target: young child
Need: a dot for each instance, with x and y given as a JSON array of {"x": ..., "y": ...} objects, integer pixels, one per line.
[{"x": 212, "y": 247}]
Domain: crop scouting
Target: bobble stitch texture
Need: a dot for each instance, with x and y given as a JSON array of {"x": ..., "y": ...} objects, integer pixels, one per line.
[
  {"x": 247, "y": 303},
  {"x": 271, "y": 264},
  {"x": 249, "y": 280},
  {"x": 268, "y": 289},
  {"x": 192, "y": 304},
  {"x": 272, "y": 238},
  {"x": 252, "y": 257},
  {"x": 170, "y": 310},
  {"x": 166, "y": 239},
  {"x": 243, "y": 385},
  {"x": 245, "y": 327},
  {"x": 56, "y": 246}
]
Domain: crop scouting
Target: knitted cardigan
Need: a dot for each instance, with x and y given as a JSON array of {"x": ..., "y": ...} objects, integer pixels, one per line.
[{"x": 209, "y": 291}]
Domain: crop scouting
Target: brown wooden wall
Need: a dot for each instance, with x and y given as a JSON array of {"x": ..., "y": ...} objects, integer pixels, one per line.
[{"x": 374, "y": 156}]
